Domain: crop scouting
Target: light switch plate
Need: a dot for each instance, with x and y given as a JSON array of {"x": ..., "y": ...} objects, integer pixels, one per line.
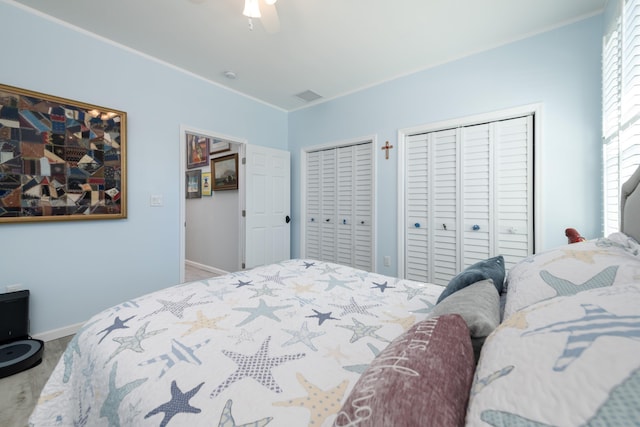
[{"x": 156, "y": 200}]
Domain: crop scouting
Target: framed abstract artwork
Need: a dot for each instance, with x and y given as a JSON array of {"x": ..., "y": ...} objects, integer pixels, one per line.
[
  {"x": 225, "y": 172},
  {"x": 60, "y": 159},
  {"x": 197, "y": 150},
  {"x": 194, "y": 186}
]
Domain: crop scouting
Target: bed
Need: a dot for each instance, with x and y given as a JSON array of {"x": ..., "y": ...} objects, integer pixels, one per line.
[{"x": 310, "y": 343}]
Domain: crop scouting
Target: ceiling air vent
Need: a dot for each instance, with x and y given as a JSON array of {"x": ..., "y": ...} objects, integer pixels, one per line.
[{"x": 308, "y": 95}]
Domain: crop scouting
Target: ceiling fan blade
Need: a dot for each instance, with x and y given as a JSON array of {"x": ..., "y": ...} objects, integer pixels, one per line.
[{"x": 269, "y": 18}]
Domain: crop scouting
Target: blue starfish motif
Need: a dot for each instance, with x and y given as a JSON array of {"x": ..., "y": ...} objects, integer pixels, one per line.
[
  {"x": 261, "y": 310},
  {"x": 115, "y": 396},
  {"x": 72, "y": 348},
  {"x": 257, "y": 366},
  {"x": 179, "y": 403},
  {"x": 322, "y": 316},
  {"x": 275, "y": 278},
  {"x": 308, "y": 264},
  {"x": 596, "y": 323},
  {"x": 382, "y": 286},
  {"x": 179, "y": 353},
  {"x": 304, "y": 336},
  {"x": 220, "y": 292},
  {"x": 427, "y": 309},
  {"x": 176, "y": 307},
  {"x": 359, "y": 369},
  {"x": 412, "y": 292},
  {"x": 354, "y": 307},
  {"x": 360, "y": 330},
  {"x": 565, "y": 287},
  {"x": 117, "y": 324},
  {"x": 240, "y": 284},
  {"x": 328, "y": 269},
  {"x": 134, "y": 342},
  {"x": 226, "y": 418},
  {"x": 333, "y": 282},
  {"x": 301, "y": 300}
]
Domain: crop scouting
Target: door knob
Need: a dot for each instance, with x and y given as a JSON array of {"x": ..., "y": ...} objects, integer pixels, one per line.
[{"x": 287, "y": 219}]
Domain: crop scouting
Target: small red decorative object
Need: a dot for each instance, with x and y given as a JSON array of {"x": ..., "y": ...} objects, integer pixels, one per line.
[{"x": 573, "y": 236}]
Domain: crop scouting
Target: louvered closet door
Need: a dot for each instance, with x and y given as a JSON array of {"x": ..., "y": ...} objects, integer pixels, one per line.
[
  {"x": 444, "y": 205},
  {"x": 363, "y": 207},
  {"x": 313, "y": 190},
  {"x": 477, "y": 194},
  {"x": 344, "y": 189},
  {"x": 328, "y": 197},
  {"x": 416, "y": 207},
  {"x": 514, "y": 188}
]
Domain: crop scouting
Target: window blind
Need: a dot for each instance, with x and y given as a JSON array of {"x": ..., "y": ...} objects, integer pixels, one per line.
[{"x": 621, "y": 107}]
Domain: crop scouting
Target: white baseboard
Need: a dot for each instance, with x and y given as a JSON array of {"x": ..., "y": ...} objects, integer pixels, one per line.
[
  {"x": 205, "y": 267},
  {"x": 58, "y": 333}
]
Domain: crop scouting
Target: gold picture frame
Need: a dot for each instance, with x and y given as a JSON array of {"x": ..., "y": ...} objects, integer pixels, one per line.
[{"x": 60, "y": 159}]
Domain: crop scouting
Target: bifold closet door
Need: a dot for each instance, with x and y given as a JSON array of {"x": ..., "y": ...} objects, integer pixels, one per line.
[
  {"x": 339, "y": 205},
  {"x": 468, "y": 197},
  {"x": 355, "y": 204}
]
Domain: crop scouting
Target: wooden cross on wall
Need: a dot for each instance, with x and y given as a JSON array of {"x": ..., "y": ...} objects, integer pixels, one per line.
[{"x": 387, "y": 147}]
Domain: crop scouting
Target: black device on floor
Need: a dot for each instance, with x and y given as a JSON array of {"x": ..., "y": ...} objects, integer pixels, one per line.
[{"x": 18, "y": 351}]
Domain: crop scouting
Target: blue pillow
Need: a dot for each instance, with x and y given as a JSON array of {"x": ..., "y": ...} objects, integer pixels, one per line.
[{"x": 492, "y": 268}]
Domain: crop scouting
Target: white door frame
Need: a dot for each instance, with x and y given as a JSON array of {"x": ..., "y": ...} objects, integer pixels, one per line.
[
  {"x": 183, "y": 169},
  {"x": 535, "y": 109}
]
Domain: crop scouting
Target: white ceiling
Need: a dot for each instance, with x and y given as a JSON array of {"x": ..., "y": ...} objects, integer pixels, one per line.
[{"x": 332, "y": 47}]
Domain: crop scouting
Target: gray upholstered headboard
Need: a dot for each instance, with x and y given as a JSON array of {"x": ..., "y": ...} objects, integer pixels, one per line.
[{"x": 630, "y": 206}]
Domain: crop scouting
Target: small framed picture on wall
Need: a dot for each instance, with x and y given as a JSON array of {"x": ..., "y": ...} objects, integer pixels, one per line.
[
  {"x": 193, "y": 183},
  {"x": 225, "y": 172}
]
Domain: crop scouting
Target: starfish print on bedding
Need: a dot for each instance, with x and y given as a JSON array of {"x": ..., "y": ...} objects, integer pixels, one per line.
[
  {"x": 382, "y": 286},
  {"x": 265, "y": 291},
  {"x": 179, "y": 403},
  {"x": 241, "y": 284},
  {"x": 336, "y": 353},
  {"x": 302, "y": 301},
  {"x": 179, "y": 353},
  {"x": 72, "y": 348},
  {"x": 304, "y": 336},
  {"x": 261, "y": 310},
  {"x": 427, "y": 309},
  {"x": 220, "y": 293},
  {"x": 583, "y": 332},
  {"x": 565, "y": 287},
  {"x": 327, "y": 269},
  {"x": 333, "y": 282},
  {"x": 360, "y": 330},
  {"x": 322, "y": 316},
  {"x": 109, "y": 409},
  {"x": 412, "y": 292},
  {"x": 480, "y": 383},
  {"x": 133, "y": 342},
  {"x": 359, "y": 369},
  {"x": 275, "y": 278},
  {"x": 354, "y": 307},
  {"x": 584, "y": 256},
  {"x": 300, "y": 289},
  {"x": 226, "y": 418},
  {"x": 308, "y": 264},
  {"x": 117, "y": 324},
  {"x": 245, "y": 335},
  {"x": 404, "y": 322},
  {"x": 257, "y": 366},
  {"x": 176, "y": 307},
  {"x": 321, "y": 404},
  {"x": 203, "y": 322}
]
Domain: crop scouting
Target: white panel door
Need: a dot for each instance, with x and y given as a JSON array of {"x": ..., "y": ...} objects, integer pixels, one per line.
[
  {"x": 417, "y": 195},
  {"x": 363, "y": 201},
  {"x": 328, "y": 198},
  {"x": 267, "y": 205}
]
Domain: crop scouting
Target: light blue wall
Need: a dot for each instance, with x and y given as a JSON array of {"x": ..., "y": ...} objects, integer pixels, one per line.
[
  {"x": 75, "y": 269},
  {"x": 559, "y": 68}
]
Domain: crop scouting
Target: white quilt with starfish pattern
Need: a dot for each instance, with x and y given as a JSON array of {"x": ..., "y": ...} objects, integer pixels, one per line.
[{"x": 279, "y": 345}]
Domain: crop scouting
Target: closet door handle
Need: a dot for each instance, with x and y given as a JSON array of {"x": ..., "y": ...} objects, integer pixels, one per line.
[
  {"x": 344, "y": 221},
  {"x": 417, "y": 225},
  {"x": 328, "y": 219},
  {"x": 287, "y": 219}
]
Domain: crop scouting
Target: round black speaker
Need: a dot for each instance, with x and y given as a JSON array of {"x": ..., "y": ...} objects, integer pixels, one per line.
[{"x": 18, "y": 356}]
